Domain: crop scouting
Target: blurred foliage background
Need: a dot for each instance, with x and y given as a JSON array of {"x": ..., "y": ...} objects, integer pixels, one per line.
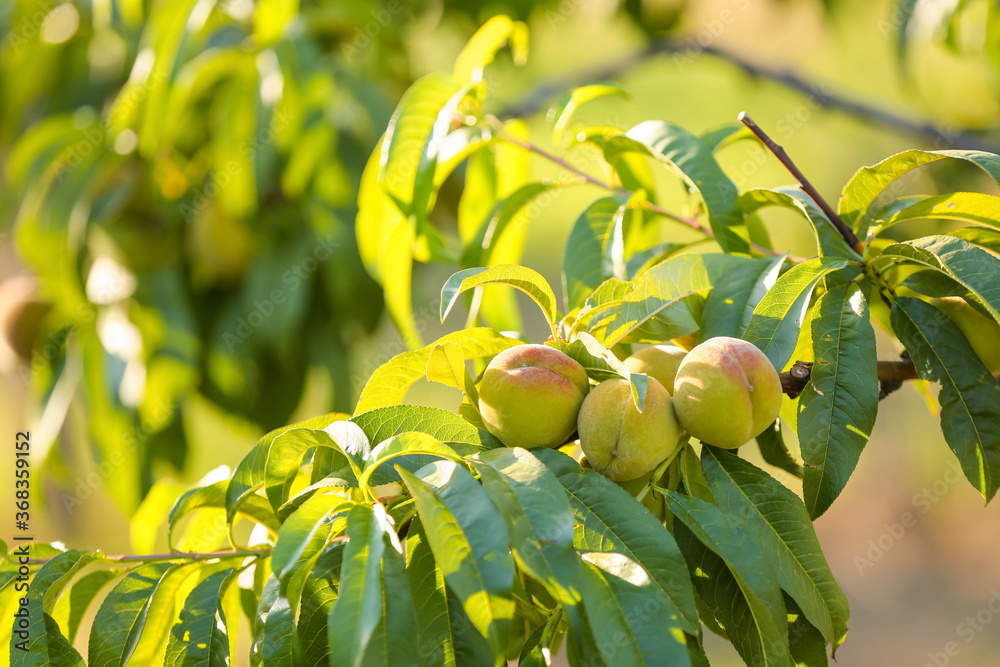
[{"x": 181, "y": 272}]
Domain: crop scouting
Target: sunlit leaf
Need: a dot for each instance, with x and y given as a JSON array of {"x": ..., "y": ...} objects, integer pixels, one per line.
[
  {"x": 837, "y": 408},
  {"x": 527, "y": 280},
  {"x": 775, "y": 323},
  {"x": 969, "y": 396},
  {"x": 389, "y": 382},
  {"x": 871, "y": 187}
]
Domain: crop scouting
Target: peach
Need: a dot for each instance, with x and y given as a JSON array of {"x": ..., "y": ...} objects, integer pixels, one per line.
[
  {"x": 530, "y": 396},
  {"x": 620, "y": 442},
  {"x": 658, "y": 361},
  {"x": 726, "y": 392}
]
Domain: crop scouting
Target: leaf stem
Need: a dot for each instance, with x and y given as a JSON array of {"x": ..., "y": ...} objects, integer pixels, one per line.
[{"x": 807, "y": 187}]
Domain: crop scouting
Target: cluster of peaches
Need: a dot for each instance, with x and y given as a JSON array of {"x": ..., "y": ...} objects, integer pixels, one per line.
[{"x": 724, "y": 392}]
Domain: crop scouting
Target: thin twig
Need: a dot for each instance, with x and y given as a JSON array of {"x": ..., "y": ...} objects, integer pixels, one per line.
[
  {"x": 176, "y": 555},
  {"x": 587, "y": 178},
  {"x": 807, "y": 187},
  {"x": 540, "y": 97}
]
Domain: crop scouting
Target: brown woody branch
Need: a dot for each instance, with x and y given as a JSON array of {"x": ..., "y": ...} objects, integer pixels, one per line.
[
  {"x": 940, "y": 137},
  {"x": 807, "y": 187},
  {"x": 891, "y": 374}
]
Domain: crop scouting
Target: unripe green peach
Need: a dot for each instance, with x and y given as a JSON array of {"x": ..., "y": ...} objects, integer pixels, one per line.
[
  {"x": 530, "y": 396},
  {"x": 726, "y": 392},
  {"x": 620, "y": 442},
  {"x": 983, "y": 333},
  {"x": 658, "y": 361}
]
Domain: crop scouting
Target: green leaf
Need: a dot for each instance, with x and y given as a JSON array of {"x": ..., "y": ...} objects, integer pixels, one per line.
[
  {"x": 969, "y": 396},
  {"x": 644, "y": 260},
  {"x": 201, "y": 637},
  {"x": 390, "y": 381},
  {"x": 806, "y": 642},
  {"x": 319, "y": 593},
  {"x": 539, "y": 523},
  {"x": 510, "y": 215},
  {"x": 598, "y": 366},
  {"x": 144, "y": 526},
  {"x": 596, "y": 355},
  {"x": 734, "y": 579},
  {"x": 664, "y": 301},
  {"x": 696, "y": 652},
  {"x": 972, "y": 267},
  {"x": 214, "y": 496},
  {"x": 446, "y": 366},
  {"x": 412, "y": 444},
  {"x": 385, "y": 242},
  {"x": 535, "y": 652},
  {"x": 562, "y": 113},
  {"x": 730, "y": 305},
  {"x": 395, "y": 641},
  {"x": 615, "y": 589},
  {"x": 776, "y": 320},
  {"x": 837, "y": 408},
  {"x": 275, "y": 642},
  {"x": 447, "y": 636},
  {"x": 774, "y": 451},
  {"x": 693, "y": 475},
  {"x": 71, "y": 608},
  {"x": 479, "y": 194},
  {"x": 829, "y": 242},
  {"x": 863, "y": 195},
  {"x": 305, "y": 533},
  {"x": 425, "y": 184},
  {"x": 147, "y": 638},
  {"x": 779, "y": 525},
  {"x": 460, "y": 520},
  {"x": 963, "y": 206},
  {"x": 725, "y": 136},
  {"x": 609, "y": 519},
  {"x": 45, "y": 642},
  {"x": 462, "y": 437},
  {"x": 345, "y": 439},
  {"x": 527, "y": 280},
  {"x": 493, "y": 241},
  {"x": 358, "y": 608},
  {"x": 980, "y": 236},
  {"x": 396, "y": 258},
  {"x": 121, "y": 617},
  {"x": 250, "y": 471},
  {"x": 9, "y": 600},
  {"x": 483, "y": 45},
  {"x": 410, "y": 130},
  {"x": 594, "y": 243},
  {"x": 934, "y": 284},
  {"x": 378, "y": 216},
  {"x": 684, "y": 152},
  {"x": 538, "y": 518}
]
